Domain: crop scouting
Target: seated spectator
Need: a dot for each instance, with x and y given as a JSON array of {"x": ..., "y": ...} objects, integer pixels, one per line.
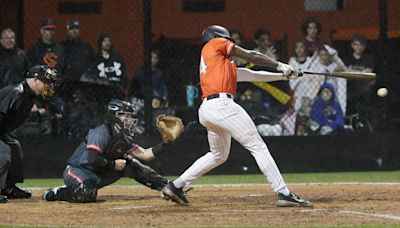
[
  {"x": 160, "y": 106},
  {"x": 13, "y": 61},
  {"x": 326, "y": 113},
  {"x": 248, "y": 101},
  {"x": 159, "y": 80},
  {"x": 359, "y": 92},
  {"x": 264, "y": 43},
  {"x": 300, "y": 86},
  {"x": 312, "y": 28},
  {"x": 108, "y": 70},
  {"x": 303, "y": 124},
  {"x": 328, "y": 61},
  {"x": 46, "y": 51},
  {"x": 237, "y": 36}
]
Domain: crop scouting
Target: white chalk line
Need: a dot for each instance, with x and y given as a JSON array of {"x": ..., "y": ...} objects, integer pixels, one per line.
[
  {"x": 255, "y": 184},
  {"x": 132, "y": 207},
  {"x": 348, "y": 212},
  {"x": 363, "y": 214},
  {"x": 359, "y": 213}
]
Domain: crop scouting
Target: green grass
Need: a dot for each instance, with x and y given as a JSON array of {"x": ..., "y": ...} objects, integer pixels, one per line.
[{"x": 392, "y": 176}]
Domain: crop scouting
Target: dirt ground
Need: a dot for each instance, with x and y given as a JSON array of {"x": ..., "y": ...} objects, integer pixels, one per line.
[{"x": 214, "y": 206}]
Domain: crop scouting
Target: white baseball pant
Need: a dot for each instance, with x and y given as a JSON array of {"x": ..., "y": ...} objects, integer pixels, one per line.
[{"x": 224, "y": 119}]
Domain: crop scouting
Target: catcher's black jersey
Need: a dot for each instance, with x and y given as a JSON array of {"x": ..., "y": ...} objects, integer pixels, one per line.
[
  {"x": 103, "y": 143},
  {"x": 16, "y": 102}
]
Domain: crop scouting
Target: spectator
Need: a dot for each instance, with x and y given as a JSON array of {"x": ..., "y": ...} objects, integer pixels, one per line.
[
  {"x": 264, "y": 43},
  {"x": 13, "y": 61},
  {"x": 249, "y": 102},
  {"x": 303, "y": 124},
  {"x": 301, "y": 85},
  {"x": 329, "y": 61},
  {"x": 312, "y": 29},
  {"x": 159, "y": 80},
  {"x": 78, "y": 54},
  {"x": 359, "y": 96},
  {"x": 237, "y": 37},
  {"x": 160, "y": 106},
  {"x": 326, "y": 112},
  {"x": 46, "y": 51},
  {"x": 107, "y": 69},
  {"x": 265, "y": 46}
]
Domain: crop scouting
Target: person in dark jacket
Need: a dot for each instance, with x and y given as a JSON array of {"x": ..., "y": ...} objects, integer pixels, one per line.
[
  {"x": 77, "y": 54},
  {"x": 108, "y": 66},
  {"x": 13, "y": 61},
  {"x": 107, "y": 72},
  {"x": 16, "y": 102},
  {"x": 46, "y": 51},
  {"x": 326, "y": 112}
]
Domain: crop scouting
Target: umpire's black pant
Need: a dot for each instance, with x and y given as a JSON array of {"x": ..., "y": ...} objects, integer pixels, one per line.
[{"x": 11, "y": 162}]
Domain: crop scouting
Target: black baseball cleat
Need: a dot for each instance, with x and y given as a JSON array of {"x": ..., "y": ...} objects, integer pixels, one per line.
[
  {"x": 175, "y": 194},
  {"x": 3, "y": 199},
  {"x": 16, "y": 192},
  {"x": 292, "y": 200},
  {"x": 50, "y": 194}
]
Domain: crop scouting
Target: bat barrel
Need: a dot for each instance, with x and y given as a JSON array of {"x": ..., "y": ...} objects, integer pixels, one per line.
[{"x": 347, "y": 75}]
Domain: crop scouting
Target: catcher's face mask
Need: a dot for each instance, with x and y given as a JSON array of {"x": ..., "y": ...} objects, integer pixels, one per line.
[
  {"x": 122, "y": 118},
  {"x": 128, "y": 122}
]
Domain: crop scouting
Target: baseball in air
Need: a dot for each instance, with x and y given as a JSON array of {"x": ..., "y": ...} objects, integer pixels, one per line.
[{"x": 382, "y": 92}]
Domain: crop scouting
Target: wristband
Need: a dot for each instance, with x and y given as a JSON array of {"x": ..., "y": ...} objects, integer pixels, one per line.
[{"x": 159, "y": 148}]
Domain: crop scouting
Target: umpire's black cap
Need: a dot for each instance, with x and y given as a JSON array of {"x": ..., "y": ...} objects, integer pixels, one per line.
[{"x": 214, "y": 31}]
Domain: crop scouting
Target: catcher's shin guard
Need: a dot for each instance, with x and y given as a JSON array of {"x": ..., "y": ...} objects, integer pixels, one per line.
[{"x": 144, "y": 174}]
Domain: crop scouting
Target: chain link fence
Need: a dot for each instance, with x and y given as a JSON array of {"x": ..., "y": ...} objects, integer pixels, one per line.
[{"x": 98, "y": 49}]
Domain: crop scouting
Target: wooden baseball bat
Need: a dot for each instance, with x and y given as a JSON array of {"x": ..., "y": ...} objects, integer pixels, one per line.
[{"x": 346, "y": 75}]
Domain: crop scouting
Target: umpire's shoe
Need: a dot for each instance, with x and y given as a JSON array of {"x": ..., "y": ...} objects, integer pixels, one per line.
[
  {"x": 16, "y": 192},
  {"x": 292, "y": 200},
  {"x": 3, "y": 199},
  {"x": 175, "y": 194}
]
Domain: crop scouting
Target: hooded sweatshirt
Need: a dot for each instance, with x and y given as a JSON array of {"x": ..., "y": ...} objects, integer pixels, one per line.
[
  {"x": 111, "y": 69},
  {"x": 327, "y": 113}
]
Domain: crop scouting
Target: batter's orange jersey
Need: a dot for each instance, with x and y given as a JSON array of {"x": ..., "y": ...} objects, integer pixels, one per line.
[{"x": 217, "y": 71}]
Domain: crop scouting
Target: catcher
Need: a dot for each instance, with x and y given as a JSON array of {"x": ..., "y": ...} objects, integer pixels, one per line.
[{"x": 107, "y": 154}]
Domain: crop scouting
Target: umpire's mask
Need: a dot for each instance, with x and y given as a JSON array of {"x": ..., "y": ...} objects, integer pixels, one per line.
[
  {"x": 122, "y": 118},
  {"x": 48, "y": 76}
]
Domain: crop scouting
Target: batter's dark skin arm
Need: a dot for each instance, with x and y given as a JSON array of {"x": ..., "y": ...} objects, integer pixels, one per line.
[{"x": 254, "y": 57}]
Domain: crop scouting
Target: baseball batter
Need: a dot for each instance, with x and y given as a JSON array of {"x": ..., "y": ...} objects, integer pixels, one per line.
[{"x": 225, "y": 119}]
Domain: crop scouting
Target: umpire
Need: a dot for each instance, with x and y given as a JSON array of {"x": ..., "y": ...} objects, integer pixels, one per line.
[{"x": 16, "y": 102}]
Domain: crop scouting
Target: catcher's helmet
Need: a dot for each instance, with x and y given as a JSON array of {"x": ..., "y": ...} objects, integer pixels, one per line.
[
  {"x": 121, "y": 118},
  {"x": 214, "y": 31},
  {"x": 48, "y": 76}
]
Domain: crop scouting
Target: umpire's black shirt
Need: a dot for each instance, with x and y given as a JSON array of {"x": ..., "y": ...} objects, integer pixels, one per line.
[{"x": 16, "y": 102}]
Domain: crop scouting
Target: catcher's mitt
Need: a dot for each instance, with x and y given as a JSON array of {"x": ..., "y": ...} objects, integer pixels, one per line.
[{"x": 170, "y": 127}]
